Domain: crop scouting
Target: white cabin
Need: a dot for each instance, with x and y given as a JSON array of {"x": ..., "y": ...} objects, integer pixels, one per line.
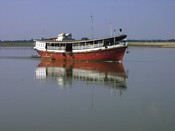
[{"x": 63, "y": 36}]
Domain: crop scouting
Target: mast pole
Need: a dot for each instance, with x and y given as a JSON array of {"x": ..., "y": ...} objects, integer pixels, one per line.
[
  {"x": 92, "y": 26},
  {"x": 111, "y": 29}
]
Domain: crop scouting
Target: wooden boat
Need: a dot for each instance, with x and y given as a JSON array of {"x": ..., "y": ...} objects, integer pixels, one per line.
[
  {"x": 110, "y": 74},
  {"x": 65, "y": 48}
]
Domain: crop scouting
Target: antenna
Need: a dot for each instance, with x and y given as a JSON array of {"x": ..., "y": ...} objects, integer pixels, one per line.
[{"x": 92, "y": 26}]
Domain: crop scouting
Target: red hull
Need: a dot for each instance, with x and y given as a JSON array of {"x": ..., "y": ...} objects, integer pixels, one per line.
[{"x": 115, "y": 54}]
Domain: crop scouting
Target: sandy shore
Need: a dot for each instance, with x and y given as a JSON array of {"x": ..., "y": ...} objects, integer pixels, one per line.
[{"x": 159, "y": 44}]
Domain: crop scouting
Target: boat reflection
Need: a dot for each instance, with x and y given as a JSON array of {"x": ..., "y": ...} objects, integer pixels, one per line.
[{"x": 111, "y": 75}]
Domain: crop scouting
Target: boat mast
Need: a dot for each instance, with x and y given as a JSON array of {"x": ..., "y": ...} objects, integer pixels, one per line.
[
  {"x": 111, "y": 29},
  {"x": 92, "y": 26}
]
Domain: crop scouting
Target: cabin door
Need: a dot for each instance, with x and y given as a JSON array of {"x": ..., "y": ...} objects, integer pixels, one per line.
[{"x": 68, "y": 47}]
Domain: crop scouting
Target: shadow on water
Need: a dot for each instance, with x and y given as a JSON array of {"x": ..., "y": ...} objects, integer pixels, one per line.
[{"x": 111, "y": 75}]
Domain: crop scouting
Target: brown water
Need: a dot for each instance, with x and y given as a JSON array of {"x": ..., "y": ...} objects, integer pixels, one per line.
[{"x": 138, "y": 95}]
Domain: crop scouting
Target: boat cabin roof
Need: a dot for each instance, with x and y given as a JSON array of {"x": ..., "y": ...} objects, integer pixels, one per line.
[{"x": 53, "y": 40}]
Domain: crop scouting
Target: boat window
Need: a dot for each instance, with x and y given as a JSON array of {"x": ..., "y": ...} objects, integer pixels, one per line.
[
  {"x": 57, "y": 44},
  {"x": 69, "y": 47},
  {"x": 99, "y": 42}
]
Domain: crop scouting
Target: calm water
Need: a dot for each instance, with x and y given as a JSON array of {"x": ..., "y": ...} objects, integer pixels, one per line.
[{"x": 138, "y": 95}]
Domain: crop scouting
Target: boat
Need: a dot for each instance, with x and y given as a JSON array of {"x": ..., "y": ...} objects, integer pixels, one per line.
[
  {"x": 105, "y": 74},
  {"x": 64, "y": 47}
]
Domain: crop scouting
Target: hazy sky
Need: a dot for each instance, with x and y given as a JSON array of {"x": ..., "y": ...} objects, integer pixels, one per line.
[{"x": 139, "y": 19}]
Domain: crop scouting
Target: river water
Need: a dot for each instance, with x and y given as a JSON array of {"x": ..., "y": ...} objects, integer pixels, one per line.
[{"x": 136, "y": 95}]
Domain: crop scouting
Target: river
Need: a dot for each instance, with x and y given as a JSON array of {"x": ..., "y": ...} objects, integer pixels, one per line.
[{"x": 136, "y": 95}]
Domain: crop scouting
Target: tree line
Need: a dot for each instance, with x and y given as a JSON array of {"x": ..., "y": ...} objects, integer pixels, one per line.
[
  {"x": 15, "y": 41},
  {"x": 157, "y": 40}
]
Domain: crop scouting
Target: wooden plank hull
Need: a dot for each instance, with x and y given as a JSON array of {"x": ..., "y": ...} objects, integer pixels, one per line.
[{"x": 111, "y": 54}]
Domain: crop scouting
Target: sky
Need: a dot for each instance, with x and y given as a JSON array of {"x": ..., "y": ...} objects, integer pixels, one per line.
[{"x": 139, "y": 19}]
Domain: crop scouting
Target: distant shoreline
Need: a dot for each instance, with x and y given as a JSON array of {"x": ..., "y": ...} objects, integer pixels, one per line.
[
  {"x": 153, "y": 44},
  {"x": 150, "y": 44},
  {"x": 17, "y": 44}
]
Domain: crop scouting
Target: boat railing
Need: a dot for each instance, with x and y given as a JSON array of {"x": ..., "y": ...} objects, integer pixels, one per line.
[
  {"x": 87, "y": 46},
  {"x": 56, "y": 47},
  {"x": 83, "y": 46}
]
